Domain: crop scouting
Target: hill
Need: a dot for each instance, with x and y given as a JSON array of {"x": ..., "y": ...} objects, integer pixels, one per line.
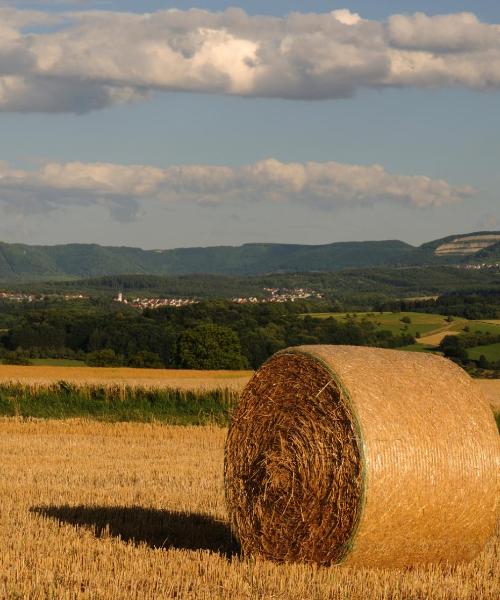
[
  {"x": 25, "y": 262},
  {"x": 471, "y": 244},
  {"x": 368, "y": 286},
  {"x": 489, "y": 254}
]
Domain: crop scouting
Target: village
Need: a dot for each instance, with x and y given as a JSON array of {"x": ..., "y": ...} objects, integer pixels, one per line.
[
  {"x": 31, "y": 297},
  {"x": 273, "y": 295}
]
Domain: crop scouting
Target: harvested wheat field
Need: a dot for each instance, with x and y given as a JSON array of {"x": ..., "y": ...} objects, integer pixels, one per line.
[
  {"x": 162, "y": 378},
  {"x": 99, "y": 510},
  {"x": 171, "y": 378},
  {"x": 435, "y": 338}
]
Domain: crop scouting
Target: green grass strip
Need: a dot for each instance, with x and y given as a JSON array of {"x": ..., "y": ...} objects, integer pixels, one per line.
[{"x": 116, "y": 403}]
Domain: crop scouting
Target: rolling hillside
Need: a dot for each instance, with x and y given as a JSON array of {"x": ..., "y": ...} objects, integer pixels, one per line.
[{"x": 24, "y": 262}]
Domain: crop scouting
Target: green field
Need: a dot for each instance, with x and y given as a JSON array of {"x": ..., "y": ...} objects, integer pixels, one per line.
[
  {"x": 491, "y": 352},
  {"x": 484, "y": 327},
  {"x": 431, "y": 328},
  {"x": 118, "y": 403},
  {"x": 58, "y": 362},
  {"x": 422, "y": 323}
]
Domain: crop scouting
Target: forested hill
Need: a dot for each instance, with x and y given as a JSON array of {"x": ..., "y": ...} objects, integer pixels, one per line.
[{"x": 19, "y": 261}]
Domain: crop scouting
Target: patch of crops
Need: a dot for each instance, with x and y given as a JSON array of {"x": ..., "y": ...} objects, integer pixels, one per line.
[{"x": 64, "y": 400}]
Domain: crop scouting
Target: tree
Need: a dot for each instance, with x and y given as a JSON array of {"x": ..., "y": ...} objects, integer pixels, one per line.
[
  {"x": 406, "y": 319},
  {"x": 260, "y": 343},
  {"x": 104, "y": 358},
  {"x": 146, "y": 360},
  {"x": 17, "y": 357},
  {"x": 210, "y": 346},
  {"x": 483, "y": 363},
  {"x": 453, "y": 347}
]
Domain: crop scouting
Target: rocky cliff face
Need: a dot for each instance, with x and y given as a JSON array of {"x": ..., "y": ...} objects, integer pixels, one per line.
[{"x": 467, "y": 245}]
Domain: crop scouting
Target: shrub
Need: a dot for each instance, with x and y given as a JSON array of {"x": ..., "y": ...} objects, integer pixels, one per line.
[
  {"x": 17, "y": 357},
  {"x": 210, "y": 346},
  {"x": 104, "y": 358},
  {"x": 146, "y": 360}
]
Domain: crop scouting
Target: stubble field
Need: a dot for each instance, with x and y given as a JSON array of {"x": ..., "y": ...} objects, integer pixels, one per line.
[
  {"x": 101, "y": 510},
  {"x": 161, "y": 378}
]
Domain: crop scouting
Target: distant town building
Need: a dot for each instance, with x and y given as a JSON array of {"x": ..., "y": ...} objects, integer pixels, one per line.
[{"x": 277, "y": 295}]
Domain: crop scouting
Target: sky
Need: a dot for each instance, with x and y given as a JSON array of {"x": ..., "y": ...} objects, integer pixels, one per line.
[{"x": 162, "y": 124}]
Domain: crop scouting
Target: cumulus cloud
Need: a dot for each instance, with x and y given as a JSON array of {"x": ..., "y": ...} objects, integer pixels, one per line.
[
  {"x": 91, "y": 59},
  {"x": 124, "y": 188},
  {"x": 87, "y": 62}
]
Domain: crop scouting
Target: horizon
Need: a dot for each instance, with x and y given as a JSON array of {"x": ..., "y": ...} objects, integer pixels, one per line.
[
  {"x": 217, "y": 126},
  {"x": 360, "y": 241}
]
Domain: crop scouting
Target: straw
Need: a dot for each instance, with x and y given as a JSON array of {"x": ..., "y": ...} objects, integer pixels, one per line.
[{"x": 362, "y": 456}]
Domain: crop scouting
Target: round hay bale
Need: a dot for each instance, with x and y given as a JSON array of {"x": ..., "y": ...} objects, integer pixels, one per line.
[{"x": 362, "y": 456}]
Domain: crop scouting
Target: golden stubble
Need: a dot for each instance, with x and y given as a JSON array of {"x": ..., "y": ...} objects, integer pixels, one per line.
[
  {"x": 162, "y": 378},
  {"x": 99, "y": 510}
]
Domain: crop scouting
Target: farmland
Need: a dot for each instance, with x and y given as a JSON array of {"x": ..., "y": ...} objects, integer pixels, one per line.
[
  {"x": 82, "y": 379},
  {"x": 161, "y": 378},
  {"x": 490, "y": 351},
  {"x": 419, "y": 322},
  {"x": 62, "y": 400},
  {"x": 99, "y": 510},
  {"x": 430, "y": 328}
]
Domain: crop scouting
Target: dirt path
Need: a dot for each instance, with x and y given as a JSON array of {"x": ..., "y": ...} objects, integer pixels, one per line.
[{"x": 434, "y": 339}]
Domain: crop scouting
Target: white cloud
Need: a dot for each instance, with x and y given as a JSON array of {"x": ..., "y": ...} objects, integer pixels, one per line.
[
  {"x": 92, "y": 59},
  {"x": 461, "y": 32},
  {"x": 346, "y": 17},
  {"x": 123, "y": 188}
]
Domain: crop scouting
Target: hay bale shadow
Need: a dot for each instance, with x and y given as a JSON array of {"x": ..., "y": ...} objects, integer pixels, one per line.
[{"x": 155, "y": 528}]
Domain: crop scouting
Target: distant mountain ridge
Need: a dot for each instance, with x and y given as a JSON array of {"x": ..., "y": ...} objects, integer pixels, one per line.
[{"x": 24, "y": 262}]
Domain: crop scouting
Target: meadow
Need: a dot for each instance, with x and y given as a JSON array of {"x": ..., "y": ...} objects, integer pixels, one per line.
[
  {"x": 490, "y": 351},
  {"x": 391, "y": 321},
  {"x": 430, "y": 328},
  {"x": 129, "y": 510}
]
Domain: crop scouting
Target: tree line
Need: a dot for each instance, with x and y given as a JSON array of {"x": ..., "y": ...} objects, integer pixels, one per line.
[{"x": 208, "y": 335}]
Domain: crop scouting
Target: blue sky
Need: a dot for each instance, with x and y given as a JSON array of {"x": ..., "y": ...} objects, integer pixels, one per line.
[
  {"x": 415, "y": 131},
  {"x": 485, "y": 9}
]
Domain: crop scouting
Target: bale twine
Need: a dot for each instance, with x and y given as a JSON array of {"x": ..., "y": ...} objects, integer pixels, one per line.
[{"x": 362, "y": 456}]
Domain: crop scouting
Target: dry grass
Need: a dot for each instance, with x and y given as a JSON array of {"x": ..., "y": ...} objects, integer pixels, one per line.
[
  {"x": 435, "y": 338},
  {"x": 294, "y": 473},
  {"x": 95, "y": 510},
  {"x": 171, "y": 378}
]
